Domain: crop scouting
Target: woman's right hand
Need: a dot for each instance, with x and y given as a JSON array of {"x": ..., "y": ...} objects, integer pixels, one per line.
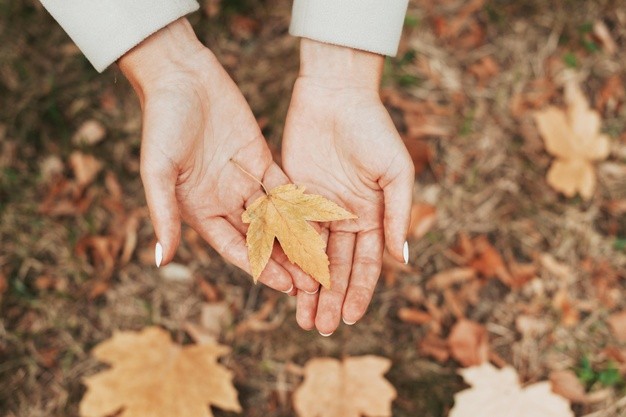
[{"x": 195, "y": 121}]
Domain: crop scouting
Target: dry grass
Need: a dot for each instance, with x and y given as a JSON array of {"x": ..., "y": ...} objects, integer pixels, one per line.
[{"x": 486, "y": 178}]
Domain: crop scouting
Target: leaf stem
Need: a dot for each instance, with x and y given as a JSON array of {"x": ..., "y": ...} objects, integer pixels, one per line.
[{"x": 250, "y": 175}]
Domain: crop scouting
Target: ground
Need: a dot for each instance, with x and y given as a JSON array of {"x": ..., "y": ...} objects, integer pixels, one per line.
[{"x": 76, "y": 259}]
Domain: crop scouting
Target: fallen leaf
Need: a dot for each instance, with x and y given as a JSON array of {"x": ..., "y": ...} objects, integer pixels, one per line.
[
  {"x": 353, "y": 387},
  {"x": 570, "y": 316},
  {"x": 244, "y": 27},
  {"x": 531, "y": 327},
  {"x": 423, "y": 218},
  {"x": 420, "y": 152},
  {"x": 450, "y": 277},
  {"x": 89, "y": 133},
  {"x": 215, "y": 317},
  {"x": 151, "y": 376},
  {"x": 611, "y": 96},
  {"x": 469, "y": 343},
  {"x": 85, "y": 168},
  {"x": 617, "y": 322},
  {"x": 176, "y": 272},
  {"x": 212, "y": 7},
  {"x": 434, "y": 346},
  {"x": 484, "y": 70},
  {"x": 573, "y": 137},
  {"x": 414, "y": 316},
  {"x": 567, "y": 385},
  {"x": 4, "y": 284},
  {"x": 488, "y": 262},
  {"x": 497, "y": 393},
  {"x": 283, "y": 214},
  {"x": 601, "y": 32}
]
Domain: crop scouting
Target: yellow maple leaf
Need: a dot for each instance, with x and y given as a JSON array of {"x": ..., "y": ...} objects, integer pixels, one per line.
[
  {"x": 284, "y": 214},
  {"x": 151, "y": 376},
  {"x": 497, "y": 392},
  {"x": 573, "y": 137},
  {"x": 353, "y": 387}
]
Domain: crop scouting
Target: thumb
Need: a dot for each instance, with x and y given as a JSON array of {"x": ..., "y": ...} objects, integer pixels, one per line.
[
  {"x": 159, "y": 180},
  {"x": 397, "y": 188}
]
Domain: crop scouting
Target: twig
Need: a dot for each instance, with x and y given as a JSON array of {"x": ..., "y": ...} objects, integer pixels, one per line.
[{"x": 249, "y": 174}]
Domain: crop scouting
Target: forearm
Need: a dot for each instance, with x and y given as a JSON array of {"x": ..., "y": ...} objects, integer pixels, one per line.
[
  {"x": 340, "y": 67},
  {"x": 175, "y": 48}
]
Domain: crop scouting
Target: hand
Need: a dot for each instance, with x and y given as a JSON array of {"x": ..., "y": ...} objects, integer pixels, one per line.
[
  {"x": 340, "y": 142},
  {"x": 195, "y": 121}
]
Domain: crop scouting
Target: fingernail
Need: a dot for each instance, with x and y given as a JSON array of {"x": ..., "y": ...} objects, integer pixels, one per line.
[
  {"x": 158, "y": 254},
  {"x": 347, "y": 322},
  {"x": 289, "y": 290},
  {"x": 314, "y": 292},
  {"x": 326, "y": 334},
  {"x": 405, "y": 252}
]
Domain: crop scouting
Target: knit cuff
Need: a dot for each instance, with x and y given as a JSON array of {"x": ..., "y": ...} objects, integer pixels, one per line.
[
  {"x": 369, "y": 25},
  {"x": 104, "y": 30}
]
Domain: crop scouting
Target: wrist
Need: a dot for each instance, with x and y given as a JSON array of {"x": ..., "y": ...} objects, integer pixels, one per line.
[
  {"x": 339, "y": 66},
  {"x": 172, "y": 48}
]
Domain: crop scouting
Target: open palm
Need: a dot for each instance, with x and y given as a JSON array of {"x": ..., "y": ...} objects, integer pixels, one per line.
[
  {"x": 342, "y": 144},
  {"x": 196, "y": 123}
]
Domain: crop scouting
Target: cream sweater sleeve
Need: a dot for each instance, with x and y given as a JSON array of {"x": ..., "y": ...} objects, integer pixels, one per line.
[
  {"x": 106, "y": 29},
  {"x": 370, "y": 25}
]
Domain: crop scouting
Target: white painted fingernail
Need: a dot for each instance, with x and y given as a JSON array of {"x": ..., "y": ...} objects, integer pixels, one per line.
[
  {"x": 405, "y": 252},
  {"x": 158, "y": 254},
  {"x": 289, "y": 290},
  {"x": 347, "y": 322},
  {"x": 326, "y": 334},
  {"x": 314, "y": 292}
]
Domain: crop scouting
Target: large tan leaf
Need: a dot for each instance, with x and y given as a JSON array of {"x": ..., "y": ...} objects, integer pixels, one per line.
[
  {"x": 284, "y": 214},
  {"x": 353, "y": 387},
  {"x": 151, "y": 376},
  {"x": 497, "y": 393},
  {"x": 554, "y": 128},
  {"x": 571, "y": 177},
  {"x": 573, "y": 137}
]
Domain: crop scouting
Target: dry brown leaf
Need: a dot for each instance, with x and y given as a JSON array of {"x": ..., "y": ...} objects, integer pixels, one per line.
[
  {"x": 573, "y": 137},
  {"x": 414, "y": 316},
  {"x": 450, "y": 277},
  {"x": 567, "y": 385},
  {"x": 570, "y": 316},
  {"x": 434, "y": 346},
  {"x": 420, "y": 151},
  {"x": 284, "y": 214},
  {"x": 4, "y": 284},
  {"x": 469, "y": 343},
  {"x": 611, "y": 96},
  {"x": 488, "y": 262},
  {"x": 176, "y": 272},
  {"x": 89, "y": 133},
  {"x": 602, "y": 33},
  {"x": 151, "y": 376},
  {"x": 497, "y": 392},
  {"x": 423, "y": 218},
  {"x": 617, "y": 322},
  {"x": 353, "y": 387},
  {"x": 85, "y": 168}
]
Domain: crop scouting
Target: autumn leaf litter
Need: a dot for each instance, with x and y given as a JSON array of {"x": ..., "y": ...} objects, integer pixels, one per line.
[{"x": 484, "y": 166}]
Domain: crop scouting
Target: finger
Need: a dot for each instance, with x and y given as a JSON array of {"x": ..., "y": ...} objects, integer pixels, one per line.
[
  {"x": 159, "y": 180},
  {"x": 397, "y": 187},
  {"x": 340, "y": 252},
  {"x": 231, "y": 244},
  {"x": 300, "y": 278},
  {"x": 306, "y": 307},
  {"x": 366, "y": 267}
]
